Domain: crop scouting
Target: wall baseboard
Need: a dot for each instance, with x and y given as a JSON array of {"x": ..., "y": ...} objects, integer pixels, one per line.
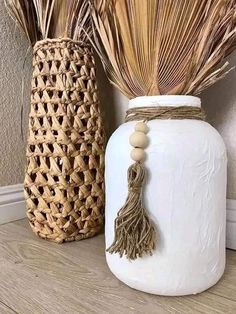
[
  {"x": 12, "y": 203},
  {"x": 231, "y": 224}
]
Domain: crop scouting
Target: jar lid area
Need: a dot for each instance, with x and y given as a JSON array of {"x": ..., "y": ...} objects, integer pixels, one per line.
[{"x": 165, "y": 100}]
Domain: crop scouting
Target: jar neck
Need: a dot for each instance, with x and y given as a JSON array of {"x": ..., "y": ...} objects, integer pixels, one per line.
[{"x": 165, "y": 100}]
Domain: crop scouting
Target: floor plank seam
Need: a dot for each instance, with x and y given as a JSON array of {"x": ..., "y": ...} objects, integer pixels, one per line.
[
  {"x": 222, "y": 296},
  {"x": 6, "y": 305}
]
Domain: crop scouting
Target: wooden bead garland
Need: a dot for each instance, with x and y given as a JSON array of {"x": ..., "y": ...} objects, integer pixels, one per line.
[{"x": 139, "y": 141}]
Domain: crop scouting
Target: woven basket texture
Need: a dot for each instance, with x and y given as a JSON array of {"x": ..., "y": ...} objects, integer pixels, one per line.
[{"x": 64, "y": 182}]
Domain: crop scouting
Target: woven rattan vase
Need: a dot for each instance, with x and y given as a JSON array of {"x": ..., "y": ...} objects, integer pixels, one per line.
[{"x": 65, "y": 151}]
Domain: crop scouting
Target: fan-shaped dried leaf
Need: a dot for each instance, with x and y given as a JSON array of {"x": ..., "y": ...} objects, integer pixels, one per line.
[{"x": 164, "y": 46}]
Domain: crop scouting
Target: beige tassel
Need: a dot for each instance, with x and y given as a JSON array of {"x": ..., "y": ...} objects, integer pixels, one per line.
[{"x": 134, "y": 232}]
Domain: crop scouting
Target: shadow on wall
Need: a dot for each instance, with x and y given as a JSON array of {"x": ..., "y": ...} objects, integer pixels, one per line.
[
  {"x": 106, "y": 96},
  {"x": 220, "y": 104},
  {"x": 113, "y": 103}
]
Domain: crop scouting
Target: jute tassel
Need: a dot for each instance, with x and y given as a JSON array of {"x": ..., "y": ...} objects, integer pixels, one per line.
[{"x": 134, "y": 233}]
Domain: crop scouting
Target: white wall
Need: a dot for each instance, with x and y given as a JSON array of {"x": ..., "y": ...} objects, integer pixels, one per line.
[
  {"x": 13, "y": 48},
  {"x": 220, "y": 104}
]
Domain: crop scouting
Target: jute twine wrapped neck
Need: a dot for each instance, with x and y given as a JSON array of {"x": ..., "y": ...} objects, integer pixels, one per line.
[{"x": 134, "y": 231}]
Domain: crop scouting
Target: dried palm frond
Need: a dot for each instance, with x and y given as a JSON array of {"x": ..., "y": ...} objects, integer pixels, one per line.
[
  {"x": 42, "y": 19},
  {"x": 44, "y": 10},
  {"x": 23, "y": 12},
  {"x": 159, "y": 47},
  {"x": 70, "y": 19}
]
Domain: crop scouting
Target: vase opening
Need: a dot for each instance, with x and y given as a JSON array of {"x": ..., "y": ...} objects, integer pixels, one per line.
[{"x": 165, "y": 100}]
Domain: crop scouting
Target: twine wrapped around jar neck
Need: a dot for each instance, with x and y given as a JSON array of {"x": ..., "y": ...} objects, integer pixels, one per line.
[
  {"x": 135, "y": 233},
  {"x": 165, "y": 113}
]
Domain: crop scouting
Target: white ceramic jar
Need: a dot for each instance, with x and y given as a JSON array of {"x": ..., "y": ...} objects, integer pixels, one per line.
[{"x": 185, "y": 195}]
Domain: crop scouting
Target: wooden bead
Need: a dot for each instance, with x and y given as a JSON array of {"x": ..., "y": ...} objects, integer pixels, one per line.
[
  {"x": 137, "y": 154},
  {"x": 138, "y": 139},
  {"x": 141, "y": 127}
]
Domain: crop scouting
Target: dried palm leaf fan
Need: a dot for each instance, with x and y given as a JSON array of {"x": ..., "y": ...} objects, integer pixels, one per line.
[
  {"x": 159, "y": 47},
  {"x": 65, "y": 151}
]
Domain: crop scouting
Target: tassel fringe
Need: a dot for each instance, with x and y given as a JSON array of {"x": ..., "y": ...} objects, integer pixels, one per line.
[{"x": 134, "y": 232}]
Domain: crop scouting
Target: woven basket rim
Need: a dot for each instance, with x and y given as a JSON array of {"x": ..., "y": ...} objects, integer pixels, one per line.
[{"x": 40, "y": 43}]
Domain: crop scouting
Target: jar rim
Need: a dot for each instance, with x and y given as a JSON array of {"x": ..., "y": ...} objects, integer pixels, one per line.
[{"x": 165, "y": 100}]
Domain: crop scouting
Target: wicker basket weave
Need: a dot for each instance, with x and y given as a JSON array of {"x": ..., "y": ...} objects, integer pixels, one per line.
[{"x": 65, "y": 153}]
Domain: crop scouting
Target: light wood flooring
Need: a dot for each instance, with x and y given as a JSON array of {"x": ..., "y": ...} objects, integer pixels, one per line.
[{"x": 41, "y": 277}]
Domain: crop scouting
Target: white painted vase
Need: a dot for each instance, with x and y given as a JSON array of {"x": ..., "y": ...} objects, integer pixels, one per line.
[{"x": 185, "y": 195}]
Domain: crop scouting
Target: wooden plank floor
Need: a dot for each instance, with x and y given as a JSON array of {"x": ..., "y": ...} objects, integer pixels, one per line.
[{"x": 41, "y": 277}]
